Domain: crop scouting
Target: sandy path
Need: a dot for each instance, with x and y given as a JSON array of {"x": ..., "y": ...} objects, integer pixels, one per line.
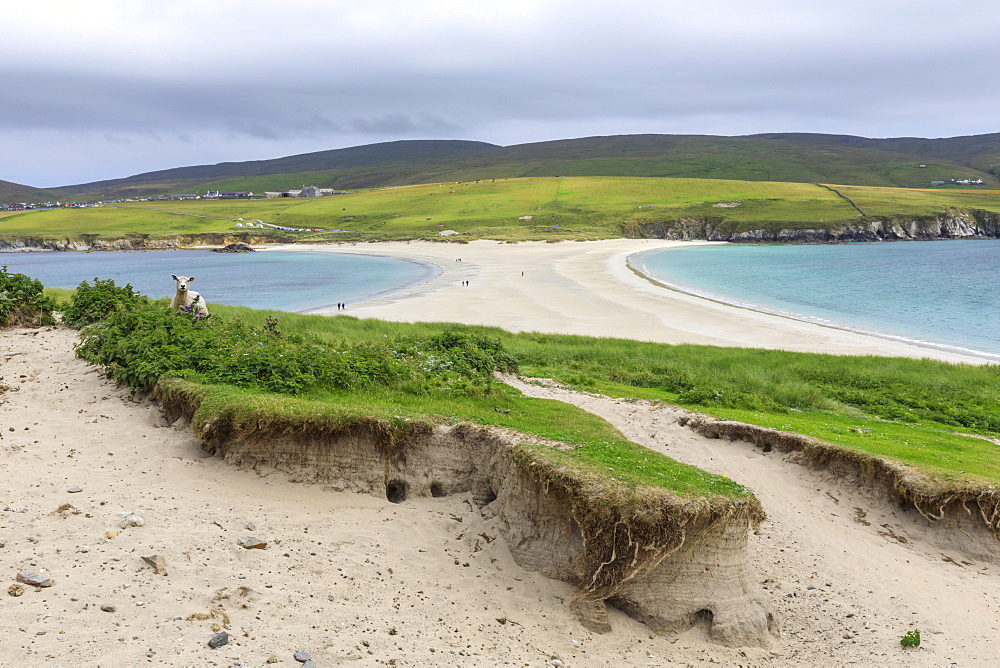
[
  {"x": 586, "y": 288},
  {"x": 846, "y": 586}
]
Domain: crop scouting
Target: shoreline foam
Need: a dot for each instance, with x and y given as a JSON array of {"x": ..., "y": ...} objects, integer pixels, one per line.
[{"x": 635, "y": 263}]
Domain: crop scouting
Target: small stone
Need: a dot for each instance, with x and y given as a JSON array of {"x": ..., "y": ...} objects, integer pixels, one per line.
[
  {"x": 111, "y": 534},
  {"x": 218, "y": 640},
  {"x": 251, "y": 526},
  {"x": 15, "y": 590},
  {"x": 34, "y": 579},
  {"x": 74, "y": 490},
  {"x": 158, "y": 563},
  {"x": 811, "y": 587},
  {"x": 251, "y": 543},
  {"x": 308, "y": 664},
  {"x": 274, "y": 659},
  {"x": 108, "y": 608},
  {"x": 302, "y": 657}
]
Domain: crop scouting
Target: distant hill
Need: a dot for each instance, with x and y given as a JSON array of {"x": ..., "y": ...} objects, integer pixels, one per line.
[
  {"x": 981, "y": 152},
  {"x": 15, "y": 192},
  {"x": 790, "y": 157},
  {"x": 413, "y": 154}
]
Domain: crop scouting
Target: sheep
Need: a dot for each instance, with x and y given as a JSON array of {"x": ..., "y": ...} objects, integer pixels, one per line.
[{"x": 189, "y": 299}]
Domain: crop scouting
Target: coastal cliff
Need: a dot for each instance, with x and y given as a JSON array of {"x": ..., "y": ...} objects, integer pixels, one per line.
[
  {"x": 973, "y": 224},
  {"x": 91, "y": 242}
]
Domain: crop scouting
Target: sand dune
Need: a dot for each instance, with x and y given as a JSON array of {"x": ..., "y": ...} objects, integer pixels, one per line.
[{"x": 353, "y": 578}]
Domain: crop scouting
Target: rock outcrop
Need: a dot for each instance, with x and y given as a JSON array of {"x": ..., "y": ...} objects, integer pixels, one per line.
[
  {"x": 92, "y": 242},
  {"x": 234, "y": 248},
  {"x": 973, "y": 224}
]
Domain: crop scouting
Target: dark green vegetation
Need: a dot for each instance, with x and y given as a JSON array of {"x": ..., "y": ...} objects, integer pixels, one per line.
[
  {"x": 93, "y": 302},
  {"x": 23, "y": 302},
  {"x": 245, "y": 368},
  {"x": 910, "y": 638},
  {"x": 770, "y": 157},
  {"x": 550, "y": 208}
]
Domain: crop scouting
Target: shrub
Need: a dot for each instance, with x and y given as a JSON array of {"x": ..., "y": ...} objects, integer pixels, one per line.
[
  {"x": 23, "y": 302},
  {"x": 144, "y": 340},
  {"x": 464, "y": 354},
  {"x": 91, "y": 303},
  {"x": 140, "y": 341},
  {"x": 910, "y": 638}
]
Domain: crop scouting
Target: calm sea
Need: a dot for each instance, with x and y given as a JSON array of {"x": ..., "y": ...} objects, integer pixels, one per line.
[
  {"x": 292, "y": 281},
  {"x": 940, "y": 292}
]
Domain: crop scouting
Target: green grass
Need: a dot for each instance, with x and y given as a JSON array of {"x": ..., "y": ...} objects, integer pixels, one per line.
[
  {"x": 911, "y": 411},
  {"x": 595, "y": 442},
  {"x": 912, "y": 202},
  {"x": 109, "y": 222},
  {"x": 936, "y": 450},
  {"x": 538, "y": 208}
]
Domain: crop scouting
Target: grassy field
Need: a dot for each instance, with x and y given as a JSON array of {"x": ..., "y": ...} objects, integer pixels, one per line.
[
  {"x": 923, "y": 413},
  {"x": 913, "y": 202},
  {"x": 540, "y": 208},
  {"x": 109, "y": 222}
]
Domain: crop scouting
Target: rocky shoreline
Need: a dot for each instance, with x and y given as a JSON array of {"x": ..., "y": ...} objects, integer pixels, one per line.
[{"x": 974, "y": 224}]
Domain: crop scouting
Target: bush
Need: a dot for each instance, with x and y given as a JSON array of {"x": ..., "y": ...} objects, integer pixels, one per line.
[
  {"x": 91, "y": 303},
  {"x": 910, "y": 638},
  {"x": 141, "y": 341},
  {"x": 23, "y": 302},
  {"x": 464, "y": 354}
]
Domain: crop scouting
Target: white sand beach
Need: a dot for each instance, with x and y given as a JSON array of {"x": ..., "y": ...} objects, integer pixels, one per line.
[{"x": 587, "y": 288}]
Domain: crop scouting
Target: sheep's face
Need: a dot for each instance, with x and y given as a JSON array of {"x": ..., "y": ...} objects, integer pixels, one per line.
[{"x": 182, "y": 282}]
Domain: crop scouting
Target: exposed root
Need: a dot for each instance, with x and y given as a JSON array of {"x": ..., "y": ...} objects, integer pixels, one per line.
[{"x": 628, "y": 531}]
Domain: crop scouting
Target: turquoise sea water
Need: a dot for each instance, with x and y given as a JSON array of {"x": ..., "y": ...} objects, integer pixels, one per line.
[
  {"x": 938, "y": 292},
  {"x": 285, "y": 281}
]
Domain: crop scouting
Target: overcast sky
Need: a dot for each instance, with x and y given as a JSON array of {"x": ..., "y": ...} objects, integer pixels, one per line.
[{"x": 109, "y": 88}]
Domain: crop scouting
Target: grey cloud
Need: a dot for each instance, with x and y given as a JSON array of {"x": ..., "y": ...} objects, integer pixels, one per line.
[
  {"x": 210, "y": 90},
  {"x": 403, "y": 124}
]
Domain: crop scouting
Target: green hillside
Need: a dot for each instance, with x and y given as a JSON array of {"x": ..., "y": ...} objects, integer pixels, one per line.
[
  {"x": 804, "y": 158},
  {"x": 732, "y": 158},
  {"x": 981, "y": 152},
  {"x": 371, "y": 159},
  {"x": 15, "y": 192},
  {"x": 549, "y": 208}
]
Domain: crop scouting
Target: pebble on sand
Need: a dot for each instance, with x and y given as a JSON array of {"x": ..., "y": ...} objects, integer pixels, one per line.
[{"x": 218, "y": 640}]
